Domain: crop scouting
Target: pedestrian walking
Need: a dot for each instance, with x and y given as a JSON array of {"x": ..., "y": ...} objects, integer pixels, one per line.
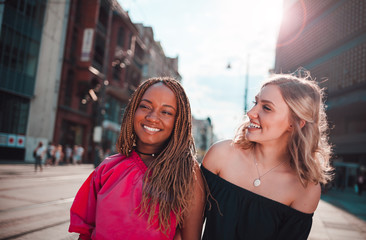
[
  {"x": 340, "y": 178},
  {"x": 59, "y": 155},
  {"x": 77, "y": 154},
  {"x": 68, "y": 154},
  {"x": 360, "y": 182},
  {"x": 38, "y": 154},
  {"x": 266, "y": 181},
  {"x": 153, "y": 189},
  {"x": 80, "y": 153},
  {"x": 51, "y": 150}
]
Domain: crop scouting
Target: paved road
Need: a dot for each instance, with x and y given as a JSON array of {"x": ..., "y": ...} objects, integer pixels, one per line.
[{"x": 36, "y": 205}]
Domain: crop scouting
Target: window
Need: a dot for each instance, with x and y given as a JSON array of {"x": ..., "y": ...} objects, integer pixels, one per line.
[
  {"x": 99, "y": 52},
  {"x": 120, "y": 37},
  {"x": 13, "y": 114}
]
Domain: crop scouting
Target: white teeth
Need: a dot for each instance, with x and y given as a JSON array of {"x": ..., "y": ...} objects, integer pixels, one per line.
[
  {"x": 152, "y": 129},
  {"x": 253, "y": 125}
]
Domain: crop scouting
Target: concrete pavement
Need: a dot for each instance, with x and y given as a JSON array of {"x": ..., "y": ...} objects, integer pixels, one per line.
[
  {"x": 333, "y": 223},
  {"x": 36, "y": 205}
]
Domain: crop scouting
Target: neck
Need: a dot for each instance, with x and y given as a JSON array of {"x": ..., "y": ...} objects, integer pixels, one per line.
[
  {"x": 146, "y": 154},
  {"x": 269, "y": 155}
]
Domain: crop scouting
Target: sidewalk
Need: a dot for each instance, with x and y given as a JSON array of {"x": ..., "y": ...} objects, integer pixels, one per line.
[{"x": 340, "y": 216}]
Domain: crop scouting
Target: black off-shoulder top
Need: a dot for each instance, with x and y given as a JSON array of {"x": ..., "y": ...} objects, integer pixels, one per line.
[{"x": 242, "y": 214}]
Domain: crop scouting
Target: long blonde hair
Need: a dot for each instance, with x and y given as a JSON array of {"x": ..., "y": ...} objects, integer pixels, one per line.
[
  {"x": 169, "y": 180},
  {"x": 308, "y": 146}
]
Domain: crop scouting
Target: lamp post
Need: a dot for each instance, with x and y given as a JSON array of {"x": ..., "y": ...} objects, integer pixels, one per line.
[{"x": 246, "y": 86}]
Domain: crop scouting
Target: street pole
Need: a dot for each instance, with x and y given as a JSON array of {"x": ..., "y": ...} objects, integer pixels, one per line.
[{"x": 246, "y": 87}]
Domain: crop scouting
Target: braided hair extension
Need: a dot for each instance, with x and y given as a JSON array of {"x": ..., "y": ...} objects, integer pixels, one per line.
[{"x": 169, "y": 180}]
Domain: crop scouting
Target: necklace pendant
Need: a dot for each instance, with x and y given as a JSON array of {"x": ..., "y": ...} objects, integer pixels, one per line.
[{"x": 257, "y": 182}]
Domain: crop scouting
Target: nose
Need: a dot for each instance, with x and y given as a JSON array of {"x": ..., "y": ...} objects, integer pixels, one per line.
[
  {"x": 252, "y": 113},
  {"x": 152, "y": 116}
]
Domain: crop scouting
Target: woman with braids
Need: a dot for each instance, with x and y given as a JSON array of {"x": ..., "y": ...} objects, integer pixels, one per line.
[
  {"x": 267, "y": 180},
  {"x": 153, "y": 189}
]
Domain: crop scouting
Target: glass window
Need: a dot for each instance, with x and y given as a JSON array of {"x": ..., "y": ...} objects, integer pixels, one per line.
[
  {"x": 99, "y": 52},
  {"x": 68, "y": 88},
  {"x": 13, "y": 114},
  {"x": 120, "y": 37}
]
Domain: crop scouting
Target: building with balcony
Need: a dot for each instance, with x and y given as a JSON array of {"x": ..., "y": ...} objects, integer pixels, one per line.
[
  {"x": 67, "y": 71},
  {"x": 102, "y": 58},
  {"x": 103, "y": 64}
]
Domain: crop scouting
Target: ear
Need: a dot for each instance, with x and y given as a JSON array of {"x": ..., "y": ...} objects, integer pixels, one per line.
[{"x": 302, "y": 123}]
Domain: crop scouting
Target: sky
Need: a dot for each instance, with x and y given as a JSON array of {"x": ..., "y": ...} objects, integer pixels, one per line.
[{"x": 206, "y": 35}]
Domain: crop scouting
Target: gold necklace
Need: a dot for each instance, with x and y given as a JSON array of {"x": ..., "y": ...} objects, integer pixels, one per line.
[{"x": 257, "y": 181}]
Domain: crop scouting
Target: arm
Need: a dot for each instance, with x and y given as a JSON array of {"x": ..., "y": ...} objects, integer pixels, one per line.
[
  {"x": 193, "y": 219},
  {"x": 82, "y": 212},
  {"x": 298, "y": 226},
  {"x": 213, "y": 159},
  {"x": 307, "y": 200}
]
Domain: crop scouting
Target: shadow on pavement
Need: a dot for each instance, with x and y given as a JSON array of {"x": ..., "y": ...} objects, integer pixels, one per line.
[{"x": 347, "y": 200}]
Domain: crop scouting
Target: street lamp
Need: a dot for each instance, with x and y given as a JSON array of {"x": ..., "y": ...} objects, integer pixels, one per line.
[{"x": 246, "y": 83}]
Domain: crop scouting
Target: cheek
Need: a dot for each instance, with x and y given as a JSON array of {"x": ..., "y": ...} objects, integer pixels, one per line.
[
  {"x": 138, "y": 115},
  {"x": 170, "y": 124},
  {"x": 136, "y": 119}
]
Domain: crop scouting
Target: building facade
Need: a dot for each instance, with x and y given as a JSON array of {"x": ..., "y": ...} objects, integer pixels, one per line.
[
  {"x": 103, "y": 64},
  {"x": 67, "y": 71},
  {"x": 328, "y": 38},
  {"x": 156, "y": 63},
  {"x": 31, "y": 49},
  {"x": 202, "y": 130},
  {"x": 102, "y": 58}
]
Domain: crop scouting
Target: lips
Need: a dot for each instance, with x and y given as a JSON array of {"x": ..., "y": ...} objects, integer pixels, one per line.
[
  {"x": 151, "y": 129},
  {"x": 254, "y": 125}
]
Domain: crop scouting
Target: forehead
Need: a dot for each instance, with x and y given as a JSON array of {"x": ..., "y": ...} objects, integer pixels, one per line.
[
  {"x": 160, "y": 92},
  {"x": 273, "y": 94}
]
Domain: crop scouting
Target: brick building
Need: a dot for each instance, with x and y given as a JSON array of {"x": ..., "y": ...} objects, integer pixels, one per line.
[
  {"x": 102, "y": 66},
  {"x": 328, "y": 38},
  {"x": 67, "y": 71}
]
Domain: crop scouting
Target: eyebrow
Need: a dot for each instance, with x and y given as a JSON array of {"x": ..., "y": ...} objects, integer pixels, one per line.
[
  {"x": 165, "y": 105},
  {"x": 265, "y": 101}
]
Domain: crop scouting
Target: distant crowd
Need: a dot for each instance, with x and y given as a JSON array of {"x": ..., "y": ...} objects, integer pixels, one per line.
[{"x": 57, "y": 154}]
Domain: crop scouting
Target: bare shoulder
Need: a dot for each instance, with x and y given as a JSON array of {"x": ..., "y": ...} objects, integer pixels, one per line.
[
  {"x": 217, "y": 155},
  {"x": 307, "y": 198}
]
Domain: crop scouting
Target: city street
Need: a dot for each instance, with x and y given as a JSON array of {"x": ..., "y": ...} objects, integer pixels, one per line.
[{"x": 36, "y": 205}]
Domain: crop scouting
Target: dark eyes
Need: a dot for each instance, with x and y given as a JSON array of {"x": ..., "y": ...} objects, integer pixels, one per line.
[
  {"x": 265, "y": 106},
  {"x": 144, "y": 106},
  {"x": 167, "y": 113},
  {"x": 164, "y": 112}
]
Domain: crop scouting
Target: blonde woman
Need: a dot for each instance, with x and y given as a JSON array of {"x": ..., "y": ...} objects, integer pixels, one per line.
[{"x": 266, "y": 182}]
